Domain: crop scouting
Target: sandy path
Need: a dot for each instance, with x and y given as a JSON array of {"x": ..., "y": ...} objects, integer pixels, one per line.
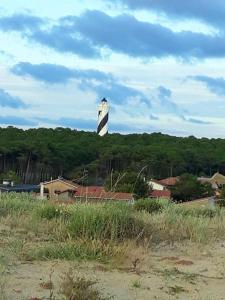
[{"x": 166, "y": 273}]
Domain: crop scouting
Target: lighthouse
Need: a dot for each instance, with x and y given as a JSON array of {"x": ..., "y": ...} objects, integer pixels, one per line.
[{"x": 103, "y": 117}]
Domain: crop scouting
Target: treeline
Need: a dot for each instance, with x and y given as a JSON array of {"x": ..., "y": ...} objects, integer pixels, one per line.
[{"x": 39, "y": 154}]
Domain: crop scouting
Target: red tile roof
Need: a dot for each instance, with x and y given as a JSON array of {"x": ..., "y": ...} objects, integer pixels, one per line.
[
  {"x": 99, "y": 192},
  {"x": 161, "y": 194},
  {"x": 170, "y": 181}
]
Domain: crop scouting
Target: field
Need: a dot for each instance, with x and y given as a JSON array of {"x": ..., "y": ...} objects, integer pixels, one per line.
[{"x": 155, "y": 250}]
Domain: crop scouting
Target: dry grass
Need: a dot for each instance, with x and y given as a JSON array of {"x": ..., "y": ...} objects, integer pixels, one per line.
[
  {"x": 40, "y": 231},
  {"x": 79, "y": 288}
]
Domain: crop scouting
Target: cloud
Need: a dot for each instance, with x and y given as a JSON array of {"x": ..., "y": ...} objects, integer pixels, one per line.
[
  {"x": 154, "y": 118},
  {"x": 195, "y": 121},
  {"x": 165, "y": 97},
  {"x": 55, "y": 74},
  {"x": 215, "y": 85},
  {"x": 6, "y": 100},
  {"x": 208, "y": 11},
  {"x": 103, "y": 84},
  {"x": 90, "y": 33},
  {"x": 20, "y": 22},
  {"x": 125, "y": 34},
  {"x": 63, "y": 39},
  {"x": 44, "y": 72},
  {"x": 119, "y": 93},
  {"x": 84, "y": 124},
  {"x": 17, "y": 121}
]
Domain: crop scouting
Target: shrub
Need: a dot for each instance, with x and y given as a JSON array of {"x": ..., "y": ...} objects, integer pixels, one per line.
[
  {"x": 79, "y": 288},
  {"x": 149, "y": 205}
]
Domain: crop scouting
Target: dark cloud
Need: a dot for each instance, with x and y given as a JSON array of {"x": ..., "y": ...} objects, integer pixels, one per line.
[
  {"x": 215, "y": 85},
  {"x": 103, "y": 84},
  {"x": 88, "y": 34},
  {"x": 17, "y": 121},
  {"x": 125, "y": 34},
  {"x": 6, "y": 100},
  {"x": 208, "y": 11},
  {"x": 44, "y": 72},
  {"x": 54, "y": 74},
  {"x": 20, "y": 22},
  {"x": 63, "y": 39}
]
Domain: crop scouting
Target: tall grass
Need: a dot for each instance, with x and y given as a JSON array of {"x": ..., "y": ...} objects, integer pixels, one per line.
[
  {"x": 95, "y": 231},
  {"x": 105, "y": 222},
  {"x": 16, "y": 203}
]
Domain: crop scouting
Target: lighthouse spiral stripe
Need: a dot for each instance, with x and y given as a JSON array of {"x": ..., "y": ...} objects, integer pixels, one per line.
[{"x": 103, "y": 123}]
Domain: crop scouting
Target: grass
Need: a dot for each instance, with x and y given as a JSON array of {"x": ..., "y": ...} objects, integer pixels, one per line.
[
  {"x": 175, "y": 273},
  {"x": 81, "y": 249},
  {"x": 174, "y": 290},
  {"x": 114, "y": 222},
  {"x": 148, "y": 205},
  {"x": 80, "y": 288},
  {"x": 136, "y": 284},
  {"x": 20, "y": 203},
  {"x": 40, "y": 230}
]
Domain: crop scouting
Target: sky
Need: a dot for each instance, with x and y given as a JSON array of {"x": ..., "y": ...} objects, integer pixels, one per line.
[{"x": 159, "y": 63}]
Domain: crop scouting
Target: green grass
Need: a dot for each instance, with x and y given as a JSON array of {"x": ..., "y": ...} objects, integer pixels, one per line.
[
  {"x": 87, "y": 250},
  {"x": 41, "y": 230},
  {"x": 11, "y": 203},
  {"x": 136, "y": 284},
  {"x": 149, "y": 205},
  {"x": 105, "y": 222}
]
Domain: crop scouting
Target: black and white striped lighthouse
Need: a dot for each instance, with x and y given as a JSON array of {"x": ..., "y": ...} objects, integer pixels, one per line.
[{"x": 103, "y": 117}]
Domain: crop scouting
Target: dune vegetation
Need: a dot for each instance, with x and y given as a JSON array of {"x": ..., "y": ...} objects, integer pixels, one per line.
[{"x": 34, "y": 230}]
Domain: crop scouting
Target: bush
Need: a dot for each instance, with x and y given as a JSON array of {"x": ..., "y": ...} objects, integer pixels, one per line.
[
  {"x": 149, "y": 205},
  {"x": 80, "y": 288}
]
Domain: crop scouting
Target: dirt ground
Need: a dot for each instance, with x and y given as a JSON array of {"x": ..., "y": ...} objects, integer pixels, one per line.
[{"x": 166, "y": 272}]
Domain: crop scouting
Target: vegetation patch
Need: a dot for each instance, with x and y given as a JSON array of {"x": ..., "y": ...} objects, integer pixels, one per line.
[
  {"x": 80, "y": 288},
  {"x": 69, "y": 251},
  {"x": 114, "y": 222},
  {"x": 149, "y": 205}
]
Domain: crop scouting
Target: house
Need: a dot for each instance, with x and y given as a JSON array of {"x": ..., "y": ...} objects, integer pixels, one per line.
[
  {"x": 54, "y": 187},
  {"x": 158, "y": 190},
  {"x": 64, "y": 190},
  {"x": 99, "y": 194},
  {"x": 169, "y": 182},
  {"x": 161, "y": 194},
  {"x": 156, "y": 185}
]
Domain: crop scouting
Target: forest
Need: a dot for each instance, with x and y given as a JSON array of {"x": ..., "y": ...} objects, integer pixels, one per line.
[{"x": 40, "y": 154}]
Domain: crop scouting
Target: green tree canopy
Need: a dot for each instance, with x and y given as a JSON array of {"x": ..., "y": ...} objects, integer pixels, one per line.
[{"x": 189, "y": 188}]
